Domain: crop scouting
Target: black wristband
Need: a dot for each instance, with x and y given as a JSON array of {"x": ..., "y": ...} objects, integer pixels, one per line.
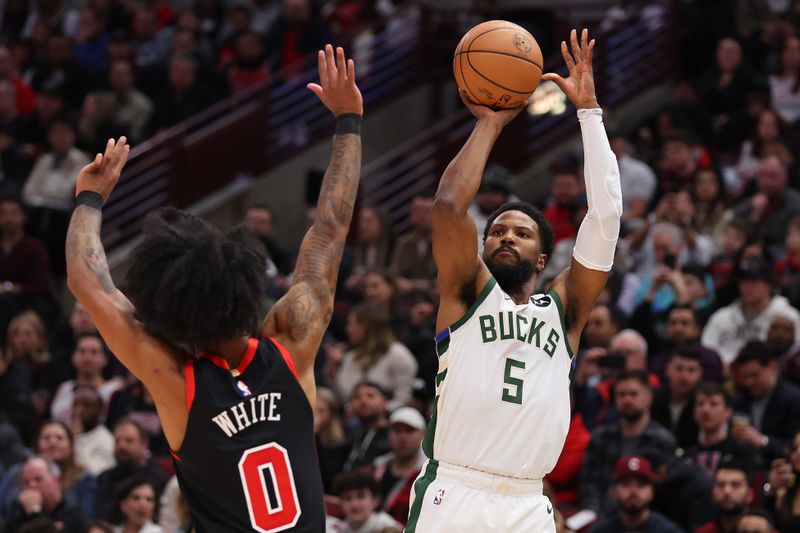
[
  {"x": 90, "y": 198},
  {"x": 349, "y": 123}
]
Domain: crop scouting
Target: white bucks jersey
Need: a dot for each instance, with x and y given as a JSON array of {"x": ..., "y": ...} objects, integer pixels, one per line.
[{"x": 502, "y": 391}]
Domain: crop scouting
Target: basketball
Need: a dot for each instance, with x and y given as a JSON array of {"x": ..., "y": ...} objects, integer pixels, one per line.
[{"x": 498, "y": 64}]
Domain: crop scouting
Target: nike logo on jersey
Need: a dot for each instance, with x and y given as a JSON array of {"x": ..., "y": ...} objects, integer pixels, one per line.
[{"x": 549, "y": 509}]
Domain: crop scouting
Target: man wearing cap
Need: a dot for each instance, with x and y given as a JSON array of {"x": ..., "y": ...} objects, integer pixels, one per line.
[
  {"x": 633, "y": 490},
  {"x": 396, "y": 471},
  {"x": 749, "y": 317}
]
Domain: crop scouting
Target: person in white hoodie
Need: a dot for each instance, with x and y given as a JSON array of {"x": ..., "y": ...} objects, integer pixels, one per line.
[{"x": 749, "y": 317}]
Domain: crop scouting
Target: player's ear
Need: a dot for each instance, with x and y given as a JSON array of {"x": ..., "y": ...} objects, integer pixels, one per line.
[{"x": 541, "y": 263}]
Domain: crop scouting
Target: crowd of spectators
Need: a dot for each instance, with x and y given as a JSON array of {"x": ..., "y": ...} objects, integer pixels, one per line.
[{"x": 686, "y": 387}]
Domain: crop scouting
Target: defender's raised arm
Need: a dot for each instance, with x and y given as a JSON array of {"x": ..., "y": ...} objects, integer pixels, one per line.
[{"x": 299, "y": 319}]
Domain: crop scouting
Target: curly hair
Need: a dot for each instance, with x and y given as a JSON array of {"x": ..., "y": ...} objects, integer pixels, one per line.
[
  {"x": 193, "y": 284},
  {"x": 546, "y": 235}
]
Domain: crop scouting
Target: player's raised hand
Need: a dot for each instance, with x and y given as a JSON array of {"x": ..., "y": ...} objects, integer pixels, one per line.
[
  {"x": 337, "y": 83},
  {"x": 579, "y": 86},
  {"x": 102, "y": 174},
  {"x": 482, "y": 112}
]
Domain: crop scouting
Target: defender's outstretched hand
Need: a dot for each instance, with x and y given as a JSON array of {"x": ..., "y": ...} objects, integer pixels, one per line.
[
  {"x": 579, "y": 86},
  {"x": 337, "y": 83},
  {"x": 102, "y": 174}
]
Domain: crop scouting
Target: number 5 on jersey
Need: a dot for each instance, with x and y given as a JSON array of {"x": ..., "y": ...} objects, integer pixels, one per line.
[
  {"x": 512, "y": 390},
  {"x": 264, "y": 516}
]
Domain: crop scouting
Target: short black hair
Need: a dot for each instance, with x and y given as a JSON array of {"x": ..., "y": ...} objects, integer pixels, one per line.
[
  {"x": 636, "y": 374},
  {"x": 757, "y": 351},
  {"x": 712, "y": 388},
  {"x": 737, "y": 464},
  {"x": 686, "y": 351},
  {"x": 757, "y": 511},
  {"x": 546, "y": 234},
  {"x": 372, "y": 385},
  {"x": 683, "y": 307},
  {"x": 356, "y": 480},
  {"x": 192, "y": 284},
  {"x": 128, "y": 421},
  {"x": 90, "y": 335}
]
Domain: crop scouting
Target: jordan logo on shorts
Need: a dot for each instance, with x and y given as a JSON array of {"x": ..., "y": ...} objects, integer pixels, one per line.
[{"x": 439, "y": 497}]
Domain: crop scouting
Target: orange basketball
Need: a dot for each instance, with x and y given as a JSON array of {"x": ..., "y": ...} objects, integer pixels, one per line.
[{"x": 498, "y": 64}]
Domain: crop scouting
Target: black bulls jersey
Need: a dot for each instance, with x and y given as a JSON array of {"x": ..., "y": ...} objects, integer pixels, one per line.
[{"x": 248, "y": 460}]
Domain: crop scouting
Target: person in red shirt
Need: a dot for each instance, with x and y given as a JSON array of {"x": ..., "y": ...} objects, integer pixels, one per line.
[
  {"x": 566, "y": 203},
  {"x": 26, "y": 100}
]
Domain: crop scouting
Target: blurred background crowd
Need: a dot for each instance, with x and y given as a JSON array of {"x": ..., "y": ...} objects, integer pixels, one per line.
[{"x": 686, "y": 387}]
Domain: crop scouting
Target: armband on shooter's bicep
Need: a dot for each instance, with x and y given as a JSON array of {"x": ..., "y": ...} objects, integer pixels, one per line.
[{"x": 599, "y": 231}]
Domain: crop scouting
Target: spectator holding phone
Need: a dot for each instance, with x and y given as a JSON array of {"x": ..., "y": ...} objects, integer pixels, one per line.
[{"x": 782, "y": 496}]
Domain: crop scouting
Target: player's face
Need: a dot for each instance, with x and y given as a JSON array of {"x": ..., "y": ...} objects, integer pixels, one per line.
[
  {"x": 358, "y": 505},
  {"x": 512, "y": 250},
  {"x": 683, "y": 375},
  {"x": 54, "y": 443},
  {"x": 633, "y": 494},
  {"x": 731, "y": 492},
  {"x": 710, "y": 412}
]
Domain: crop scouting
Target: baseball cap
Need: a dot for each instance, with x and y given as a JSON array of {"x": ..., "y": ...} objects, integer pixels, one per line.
[
  {"x": 755, "y": 268},
  {"x": 408, "y": 416},
  {"x": 633, "y": 466}
]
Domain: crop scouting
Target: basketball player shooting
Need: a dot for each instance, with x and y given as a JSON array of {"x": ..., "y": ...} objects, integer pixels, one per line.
[
  {"x": 239, "y": 414},
  {"x": 503, "y": 409}
]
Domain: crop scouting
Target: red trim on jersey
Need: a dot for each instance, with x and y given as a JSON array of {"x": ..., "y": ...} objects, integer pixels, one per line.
[
  {"x": 286, "y": 357},
  {"x": 247, "y": 358},
  {"x": 188, "y": 374},
  {"x": 174, "y": 455}
]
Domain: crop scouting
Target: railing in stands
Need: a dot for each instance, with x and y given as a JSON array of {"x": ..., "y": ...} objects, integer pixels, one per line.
[
  {"x": 254, "y": 130},
  {"x": 628, "y": 59}
]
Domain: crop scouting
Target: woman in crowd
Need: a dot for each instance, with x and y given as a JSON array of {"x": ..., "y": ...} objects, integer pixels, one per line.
[
  {"x": 375, "y": 355},
  {"x": 373, "y": 245},
  {"x": 332, "y": 444},
  {"x": 55, "y": 442},
  {"x": 785, "y": 84},
  {"x": 27, "y": 342},
  {"x": 135, "y": 507},
  {"x": 711, "y": 211}
]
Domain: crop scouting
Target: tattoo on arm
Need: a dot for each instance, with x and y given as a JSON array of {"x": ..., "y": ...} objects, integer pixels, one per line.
[
  {"x": 83, "y": 246},
  {"x": 309, "y": 305}
]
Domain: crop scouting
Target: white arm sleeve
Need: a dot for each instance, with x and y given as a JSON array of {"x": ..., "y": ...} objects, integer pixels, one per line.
[{"x": 599, "y": 231}]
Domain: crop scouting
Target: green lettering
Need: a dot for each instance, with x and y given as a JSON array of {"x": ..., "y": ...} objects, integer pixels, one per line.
[
  {"x": 520, "y": 334},
  {"x": 512, "y": 383},
  {"x": 488, "y": 332},
  {"x": 536, "y": 327},
  {"x": 510, "y": 334},
  {"x": 550, "y": 349}
]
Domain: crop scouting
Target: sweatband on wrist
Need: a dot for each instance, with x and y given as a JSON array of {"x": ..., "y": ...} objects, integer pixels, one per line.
[
  {"x": 89, "y": 198},
  {"x": 349, "y": 123},
  {"x": 597, "y": 236}
]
